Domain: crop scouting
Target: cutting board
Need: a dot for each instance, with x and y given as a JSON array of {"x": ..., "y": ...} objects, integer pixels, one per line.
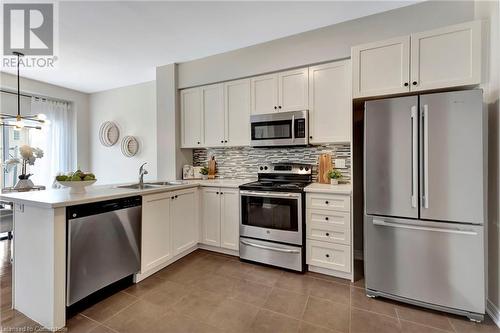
[
  {"x": 324, "y": 165},
  {"x": 211, "y": 168}
]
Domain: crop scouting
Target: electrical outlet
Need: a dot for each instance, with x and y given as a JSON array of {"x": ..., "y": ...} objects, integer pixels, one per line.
[{"x": 339, "y": 163}]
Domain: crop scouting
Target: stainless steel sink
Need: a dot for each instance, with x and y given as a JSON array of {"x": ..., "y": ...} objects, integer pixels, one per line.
[
  {"x": 138, "y": 186},
  {"x": 171, "y": 183}
]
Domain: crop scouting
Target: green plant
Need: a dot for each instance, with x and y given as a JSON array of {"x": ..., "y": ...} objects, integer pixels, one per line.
[
  {"x": 334, "y": 174},
  {"x": 204, "y": 170}
]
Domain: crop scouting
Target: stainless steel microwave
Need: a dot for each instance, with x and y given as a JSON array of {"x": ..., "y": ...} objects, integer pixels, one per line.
[{"x": 280, "y": 129}]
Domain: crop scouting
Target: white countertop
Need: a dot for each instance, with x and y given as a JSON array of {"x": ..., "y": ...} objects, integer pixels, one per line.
[
  {"x": 53, "y": 198},
  {"x": 328, "y": 188}
]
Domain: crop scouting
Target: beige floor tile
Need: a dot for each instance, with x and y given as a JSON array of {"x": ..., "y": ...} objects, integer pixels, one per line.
[
  {"x": 199, "y": 304},
  {"x": 15, "y": 321},
  {"x": 369, "y": 322},
  {"x": 167, "y": 294},
  {"x": 306, "y": 327},
  {"x": 333, "y": 291},
  {"x": 329, "y": 314},
  {"x": 80, "y": 324},
  {"x": 378, "y": 305},
  {"x": 101, "y": 329},
  {"x": 233, "y": 316},
  {"x": 135, "y": 318},
  {"x": 108, "y": 307},
  {"x": 295, "y": 282},
  {"x": 271, "y": 322},
  {"x": 249, "y": 292},
  {"x": 286, "y": 302},
  {"x": 327, "y": 277},
  {"x": 173, "y": 322},
  {"x": 216, "y": 283},
  {"x": 185, "y": 273},
  {"x": 423, "y": 316},
  {"x": 143, "y": 287},
  {"x": 264, "y": 275},
  {"x": 409, "y": 327},
  {"x": 234, "y": 269},
  {"x": 359, "y": 283},
  {"x": 464, "y": 325}
]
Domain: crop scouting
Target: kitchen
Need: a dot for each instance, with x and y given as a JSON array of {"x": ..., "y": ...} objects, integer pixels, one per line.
[{"x": 318, "y": 228}]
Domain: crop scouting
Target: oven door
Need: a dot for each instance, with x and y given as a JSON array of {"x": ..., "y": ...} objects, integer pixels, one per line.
[
  {"x": 279, "y": 129},
  {"x": 274, "y": 216}
]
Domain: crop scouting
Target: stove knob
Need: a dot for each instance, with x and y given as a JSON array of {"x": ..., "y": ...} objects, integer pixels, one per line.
[
  {"x": 261, "y": 168},
  {"x": 265, "y": 168}
]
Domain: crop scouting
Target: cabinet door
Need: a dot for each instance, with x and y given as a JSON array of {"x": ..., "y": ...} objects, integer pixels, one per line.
[
  {"x": 213, "y": 115},
  {"x": 446, "y": 57},
  {"x": 211, "y": 212},
  {"x": 237, "y": 105},
  {"x": 292, "y": 90},
  {"x": 155, "y": 236},
  {"x": 381, "y": 68},
  {"x": 184, "y": 219},
  {"x": 230, "y": 218},
  {"x": 264, "y": 91},
  {"x": 330, "y": 102},
  {"x": 191, "y": 118}
]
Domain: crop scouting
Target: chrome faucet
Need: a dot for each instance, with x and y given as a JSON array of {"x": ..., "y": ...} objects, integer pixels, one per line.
[{"x": 142, "y": 172}]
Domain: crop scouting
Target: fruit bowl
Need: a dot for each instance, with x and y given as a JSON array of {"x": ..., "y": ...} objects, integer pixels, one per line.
[{"x": 77, "y": 186}]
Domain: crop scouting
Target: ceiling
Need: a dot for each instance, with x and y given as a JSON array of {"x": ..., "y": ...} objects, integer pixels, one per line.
[{"x": 104, "y": 45}]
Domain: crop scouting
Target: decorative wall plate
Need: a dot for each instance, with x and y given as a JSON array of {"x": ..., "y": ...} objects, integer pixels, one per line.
[
  {"x": 109, "y": 133},
  {"x": 130, "y": 146}
]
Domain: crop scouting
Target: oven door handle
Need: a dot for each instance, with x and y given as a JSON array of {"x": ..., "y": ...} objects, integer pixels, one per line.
[
  {"x": 265, "y": 247},
  {"x": 270, "y": 194}
]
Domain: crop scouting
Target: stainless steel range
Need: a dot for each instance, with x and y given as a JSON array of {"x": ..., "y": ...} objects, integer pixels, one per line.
[{"x": 272, "y": 216}]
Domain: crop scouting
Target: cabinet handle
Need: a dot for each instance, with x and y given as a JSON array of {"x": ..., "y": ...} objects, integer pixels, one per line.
[
  {"x": 275, "y": 107},
  {"x": 176, "y": 196},
  {"x": 310, "y": 137},
  {"x": 279, "y": 107},
  {"x": 406, "y": 84},
  {"x": 221, "y": 141},
  {"x": 414, "y": 83},
  {"x": 198, "y": 142},
  {"x": 328, "y": 234},
  {"x": 326, "y": 202},
  {"x": 225, "y": 141},
  {"x": 327, "y": 255},
  {"x": 326, "y": 218},
  {"x": 172, "y": 197},
  {"x": 221, "y": 193}
]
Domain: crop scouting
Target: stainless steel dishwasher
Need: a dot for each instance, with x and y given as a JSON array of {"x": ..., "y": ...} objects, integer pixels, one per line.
[{"x": 103, "y": 245}]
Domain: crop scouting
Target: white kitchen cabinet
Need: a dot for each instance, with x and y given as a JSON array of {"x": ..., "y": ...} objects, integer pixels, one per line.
[
  {"x": 293, "y": 90},
  {"x": 191, "y": 118},
  {"x": 264, "y": 94},
  {"x": 220, "y": 221},
  {"x": 211, "y": 215},
  {"x": 381, "y": 68},
  {"x": 184, "y": 220},
  {"x": 446, "y": 57},
  {"x": 440, "y": 58},
  {"x": 330, "y": 102},
  {"x": 212, "y": 99},
  {"x": 230, "y": 218},
  {"x": 237, "y": 113},
  {"x": 155, "y": 235}
]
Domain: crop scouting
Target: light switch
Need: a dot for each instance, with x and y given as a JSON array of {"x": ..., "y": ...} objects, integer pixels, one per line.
[{"x": 339, "y": 163}]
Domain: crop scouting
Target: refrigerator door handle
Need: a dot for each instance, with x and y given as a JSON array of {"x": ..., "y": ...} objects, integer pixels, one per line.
[
  {"x": 414, "y": 155},
  {"x": 383, "y": 223},
  {"x": 425, "y": 174}
]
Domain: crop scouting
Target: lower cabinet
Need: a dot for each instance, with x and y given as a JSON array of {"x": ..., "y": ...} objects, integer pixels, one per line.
[
  {"x": 169, "y": 226},
  {"x": 220, "y": 217}
]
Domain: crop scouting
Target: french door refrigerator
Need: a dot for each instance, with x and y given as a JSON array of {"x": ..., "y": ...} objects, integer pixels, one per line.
[{"x": 424, "y": 201}]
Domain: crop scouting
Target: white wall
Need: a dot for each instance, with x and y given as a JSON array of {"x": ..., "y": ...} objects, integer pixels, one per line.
[
  {"x": 325, "y": 44},
  {"x": 80, "y": 104},
  {"x": 133, "y": 108}
]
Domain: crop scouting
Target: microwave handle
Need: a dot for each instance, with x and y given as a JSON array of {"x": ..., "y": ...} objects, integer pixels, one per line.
[{"x": 293, "y": 129}]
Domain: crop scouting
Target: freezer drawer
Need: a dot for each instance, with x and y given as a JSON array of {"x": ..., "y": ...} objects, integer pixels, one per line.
[
  {"x": 437, "y": 263},
  {"x": 270, "y": 253}
]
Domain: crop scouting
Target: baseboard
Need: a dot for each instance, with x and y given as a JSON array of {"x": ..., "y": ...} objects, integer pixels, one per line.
[
  {"x": 493, "y": 312},
  {"x": 218, "y": 250},
  {"x": 331, "y": 272}
]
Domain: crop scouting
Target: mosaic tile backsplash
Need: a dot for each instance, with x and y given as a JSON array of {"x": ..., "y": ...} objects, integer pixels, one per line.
[{"x": 243, "y": 162}]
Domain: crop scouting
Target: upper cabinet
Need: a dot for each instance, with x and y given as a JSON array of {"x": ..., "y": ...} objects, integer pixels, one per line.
[
  {"x": 284, "y": 91},
  {"x": 213, "y": 114},
  {"x": 381, "y": 68},
  {"x": 441, "y": 58},
  {"x": 191, "y": 118},
  {"x": 330, "y": 102},
  {"x": 446, "y": 57},
  {"x": 237, "y": 113}
]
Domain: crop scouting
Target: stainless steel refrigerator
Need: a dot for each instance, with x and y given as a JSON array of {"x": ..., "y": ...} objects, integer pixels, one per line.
[{"x": 424, "y": 170}]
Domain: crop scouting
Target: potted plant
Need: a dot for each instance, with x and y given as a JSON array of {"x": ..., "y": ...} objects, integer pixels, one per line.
[
  {"x": 28, "y": 156},
  {"x": 204, "y": 172},
  {"x": 334, "y": 176}
]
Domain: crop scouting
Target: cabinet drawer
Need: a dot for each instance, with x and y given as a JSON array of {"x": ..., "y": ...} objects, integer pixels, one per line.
[
  {"x": 329, "y": 255},
  {"x": 329, "y": 219},
  {"x": 328, "y": 201},
  {"x": 326, "y": 233}
]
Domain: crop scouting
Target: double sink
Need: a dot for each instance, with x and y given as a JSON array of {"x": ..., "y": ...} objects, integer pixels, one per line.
[{"x": 151, "y": 185}]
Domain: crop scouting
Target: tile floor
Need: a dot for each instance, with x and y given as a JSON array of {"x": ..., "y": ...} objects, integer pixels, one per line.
[{"x": 207, "y": 292}]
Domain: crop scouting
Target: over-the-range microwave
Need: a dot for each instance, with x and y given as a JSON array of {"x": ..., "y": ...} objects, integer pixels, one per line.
[{"x": 280, "y": 129}]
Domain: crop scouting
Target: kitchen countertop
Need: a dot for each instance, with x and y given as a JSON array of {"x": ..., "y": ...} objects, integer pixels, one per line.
[
  {"x": 328, "y": 188},
  {"x": 54, "y": 198}
]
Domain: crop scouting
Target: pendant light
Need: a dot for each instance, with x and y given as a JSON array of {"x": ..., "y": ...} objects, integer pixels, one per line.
[{"x": 20, "y": 121}]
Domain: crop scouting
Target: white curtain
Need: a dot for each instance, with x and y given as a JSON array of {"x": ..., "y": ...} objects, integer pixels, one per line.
[{"x": 56, "y": 139}]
